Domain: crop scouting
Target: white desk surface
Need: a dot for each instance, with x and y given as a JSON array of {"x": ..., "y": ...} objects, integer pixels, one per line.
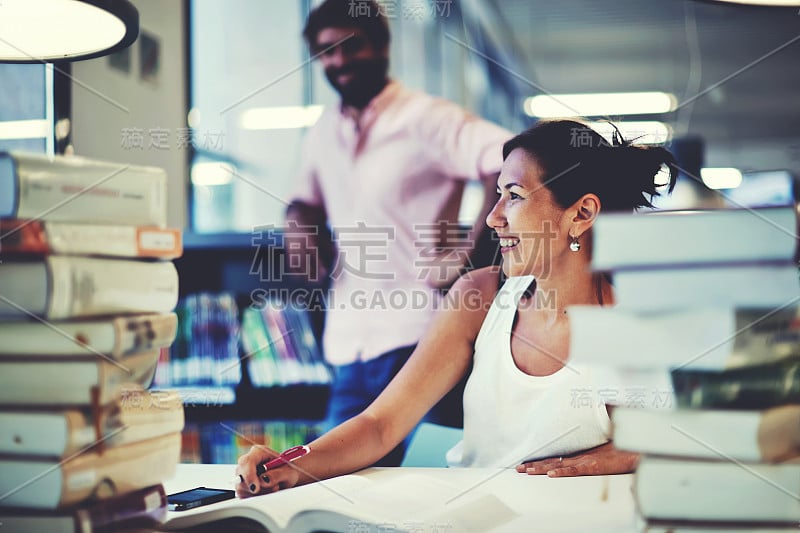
[{"x": 597, "y": 503}]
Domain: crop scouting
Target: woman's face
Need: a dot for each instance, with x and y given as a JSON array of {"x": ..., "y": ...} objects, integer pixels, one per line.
[{"x": 527, "y": 219}]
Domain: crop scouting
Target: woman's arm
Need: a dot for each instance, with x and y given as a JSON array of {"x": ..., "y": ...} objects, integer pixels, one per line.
[
  {"x": 441, "y": 358},
  {"x": 600, "y": 460}
]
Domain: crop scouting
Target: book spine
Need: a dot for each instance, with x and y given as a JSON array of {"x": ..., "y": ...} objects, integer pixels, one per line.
[
  {"x": 722, "y": 338},
  {"x": 23, "y": 236},
  {"x": 127, "y": 468},
  {"x": 83, "y": 286},
  {"x": 37, "y": 238},
  {"x": 146, "y": 507},
  {"x": 37, "y": 433},
  {"x": 670, "y": 489},
  {"x": 734, "y": 433},
  {"x": 757, "y": 285},
  {"x": 74, "y": 189},
  {"x": 191, "y": 448},
  {"x": 143, "y": 333},
  {"x": 228, "y": 370},
  {"x": 286, "y": 362},
  {"x": 696, "y": 237},
  {"x": 753, "y": 387},
  {"x": 258, "y": 350},
  {"x": 9, "y": 190}
]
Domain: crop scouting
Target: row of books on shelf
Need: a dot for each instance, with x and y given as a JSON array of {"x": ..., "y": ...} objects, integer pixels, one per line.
[
  {"x": 87, "y": 294},
  {"x": 275, "y": 342},
  {"x": 225, "y": 442},
  {"x": 708, "y": 301},
  {"x": 206, "y": 348}
]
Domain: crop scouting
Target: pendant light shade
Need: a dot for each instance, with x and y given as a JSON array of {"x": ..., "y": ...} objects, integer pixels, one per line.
[{"x": 35, "y": 31}]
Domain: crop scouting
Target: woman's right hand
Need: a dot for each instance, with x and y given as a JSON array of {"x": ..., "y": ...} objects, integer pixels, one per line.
[{"x": 274, "y": 480}]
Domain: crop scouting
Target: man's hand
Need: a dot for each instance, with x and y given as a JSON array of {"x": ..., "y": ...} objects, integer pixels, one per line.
[
  {"x": 602, "y": 460},
  {"x": 307, "y": 242}
]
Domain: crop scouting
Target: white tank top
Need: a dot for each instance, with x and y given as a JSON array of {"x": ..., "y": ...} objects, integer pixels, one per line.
[{"x": 510, "y": 416}]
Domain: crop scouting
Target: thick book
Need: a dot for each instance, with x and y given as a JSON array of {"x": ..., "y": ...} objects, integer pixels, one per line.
[
  {"x": 145, "y": 508},
  {"x": 686, "y": 489},
  {"x": 766, "y": 436},
  {"x": 711, "y": 338},
  {"x": 343, "y": 503},
  {"x": 705, "y": 526},
  {"x": 37, "y": 237},
  {"x": 77, "y": 189},
  {"x": 99, "y": 474},
  {"x": 663, "y": 238},
  {"x": 752, "y": 387},
  {"x": 83, "y": 380},
  {"x": 417, "y": 499},
  {"x": 133, "y": 416},
  {"x": 732, "y": 285},
  {"x": 115, "y": 337},
  {"x": 60, "y": 287}
]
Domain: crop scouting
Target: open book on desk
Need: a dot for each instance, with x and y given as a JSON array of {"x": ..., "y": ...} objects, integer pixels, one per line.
[{"x": 416, "y": 499}]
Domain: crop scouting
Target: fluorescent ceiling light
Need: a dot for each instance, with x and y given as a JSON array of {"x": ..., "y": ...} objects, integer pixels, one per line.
[
  {"x": 721, "y": 178},
  {"x": 24, "y": 129},
  {"x": 34, "y": 31},
  {"x": 599, "y": 104},
  {"x": 638, "y": 132},
  {"x": 279, "y": 118},
  {"x": 212, "y": 173},
  {"x": 778, "y": 3}
]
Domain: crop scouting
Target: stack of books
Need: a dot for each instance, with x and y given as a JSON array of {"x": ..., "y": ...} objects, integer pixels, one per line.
[
  {"x": 711, "y": 299},
  {"x": 86, "y": 294}
]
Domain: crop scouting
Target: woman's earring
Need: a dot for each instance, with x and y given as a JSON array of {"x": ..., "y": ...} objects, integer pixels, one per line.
[{"x": 574, "y": 245}]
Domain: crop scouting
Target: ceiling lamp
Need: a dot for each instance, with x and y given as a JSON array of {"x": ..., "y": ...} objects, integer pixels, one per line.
[
  {"x": 599, "y": 104},
  {"x": 772, "y": 3},
  {"x": 35, "y": 31}
]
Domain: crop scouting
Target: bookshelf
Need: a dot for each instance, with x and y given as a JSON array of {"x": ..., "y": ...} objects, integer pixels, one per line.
[{"x": 224, "y": 419}]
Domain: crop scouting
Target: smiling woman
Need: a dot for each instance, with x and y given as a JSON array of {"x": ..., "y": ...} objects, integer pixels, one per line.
[
  {"x": 519, "y": 406},
  {"x": 556, "y": 178}
]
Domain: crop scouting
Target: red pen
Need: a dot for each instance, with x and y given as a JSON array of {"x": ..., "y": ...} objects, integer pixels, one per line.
[{"x": 286, "y": 457}]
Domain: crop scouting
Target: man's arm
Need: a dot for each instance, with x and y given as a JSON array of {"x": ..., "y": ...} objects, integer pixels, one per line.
[
  {"x": 483, "y": 247},
  {"x": 307, "y": 242},
  {"x": 484, "y": 243},
  {"x": 468, "y": 148}
]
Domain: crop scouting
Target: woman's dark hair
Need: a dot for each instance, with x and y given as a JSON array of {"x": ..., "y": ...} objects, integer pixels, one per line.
[
  {"x": 364, "y": 15},
  {"x": 576, "y": 160}
]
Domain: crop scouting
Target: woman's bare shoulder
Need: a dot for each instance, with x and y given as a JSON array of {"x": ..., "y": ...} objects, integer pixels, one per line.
[
  {"x": 474, "y": 291},
  {"x": 486, "y": 280},
  {"x": 466, "y": 305}
]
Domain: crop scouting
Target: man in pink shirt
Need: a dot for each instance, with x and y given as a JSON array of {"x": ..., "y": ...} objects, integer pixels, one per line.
[{"x": 386, "y": 169}]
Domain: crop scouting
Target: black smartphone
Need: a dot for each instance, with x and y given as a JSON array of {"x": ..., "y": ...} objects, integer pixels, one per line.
[{"x": 189, "y": 499}]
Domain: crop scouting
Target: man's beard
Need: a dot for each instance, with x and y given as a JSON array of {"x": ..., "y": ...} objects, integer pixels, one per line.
[{"x": 368, "y": 79}]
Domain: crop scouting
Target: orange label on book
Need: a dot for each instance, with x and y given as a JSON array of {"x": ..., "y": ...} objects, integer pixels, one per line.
[{"x": 157, "y": 241}]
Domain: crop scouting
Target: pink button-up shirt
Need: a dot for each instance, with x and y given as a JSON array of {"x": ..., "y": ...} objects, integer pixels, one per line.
[{"x": 385, "y": 182}]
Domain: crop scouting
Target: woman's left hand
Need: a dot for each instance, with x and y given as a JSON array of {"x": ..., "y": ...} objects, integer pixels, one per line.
[{"x": 602, "y": 460}]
